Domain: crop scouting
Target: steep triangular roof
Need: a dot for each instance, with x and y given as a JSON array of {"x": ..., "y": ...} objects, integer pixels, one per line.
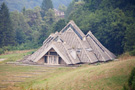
[
  {"x": 101, "y": 52},
  {"x": 75, "y": 28},
  {"x": 72, "y": 40}
]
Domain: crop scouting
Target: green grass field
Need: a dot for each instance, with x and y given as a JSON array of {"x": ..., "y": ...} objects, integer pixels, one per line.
[{"x": 106, "y": 76}]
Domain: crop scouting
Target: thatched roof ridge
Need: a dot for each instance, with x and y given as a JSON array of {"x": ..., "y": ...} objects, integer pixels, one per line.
[
  {"x": 73, "y": 46},
  {"x": 102, "y": 53}
]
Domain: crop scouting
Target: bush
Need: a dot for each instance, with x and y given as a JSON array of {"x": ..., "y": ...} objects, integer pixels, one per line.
[
  {"x": 133, "y": 83},
  {"x": 132, "y": 53},
  {"x": 5, "y": 48},
  {"x": 1, "y": 51},
  {"x": 23, "y": 46},
  {"x": 131, "y": 78}
]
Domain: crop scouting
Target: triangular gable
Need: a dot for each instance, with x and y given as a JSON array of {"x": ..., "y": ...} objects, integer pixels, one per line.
[
  {"x": 64, "y": 57},
  {"x": 102, "y": 53},
  {"x": 70, "y": 26},
  {"x": 72, "y": 39},
  {"x": 75, "y": 28}
]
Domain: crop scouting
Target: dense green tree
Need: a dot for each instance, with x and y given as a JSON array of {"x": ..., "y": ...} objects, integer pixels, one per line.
[
  {"x": 110, "y": 21},
  {"x": 130, "y": 39},
  {"x": 46, "y": 26},
  {"x": 33, "y": 16},
  {"x": 30, "y": 4},
  {"x": 59, "y": 25},
  {"x": 69, "y": 9},
  {"x": 21, "y": 27},
  {"x": 6, "y": 29},
  {"x": 50, "y": 17},
  {"x": 46, "y": 5},
  {"x": 43, "y": 33},
  {"x": 74, "y": 6},
  {"x": 131, "y": 81},
  {"x": 62, "y": 8},
  {"x": 57, "y": 3},
  {"x": 23, "y": 10}
]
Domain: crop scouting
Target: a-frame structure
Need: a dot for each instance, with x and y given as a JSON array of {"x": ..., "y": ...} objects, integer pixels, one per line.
[{"x": 70, "y": 46}]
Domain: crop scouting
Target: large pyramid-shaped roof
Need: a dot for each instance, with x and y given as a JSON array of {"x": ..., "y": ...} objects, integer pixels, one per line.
[{"x": 86, "y": 48}]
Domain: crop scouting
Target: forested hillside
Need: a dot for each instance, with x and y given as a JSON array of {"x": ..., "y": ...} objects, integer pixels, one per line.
[
  {"x": 19, "y": 4},
  {"x": 27, "y": 29},
  {"x": 112, "y": 22}
]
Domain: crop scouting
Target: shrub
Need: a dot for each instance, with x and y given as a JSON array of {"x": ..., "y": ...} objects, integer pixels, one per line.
[
  {"x": 131, "y": 78},
  {"x": 132, "y": 53},
  {"x": 1, "y": 51},
  {"x": 133, "y": 83}
]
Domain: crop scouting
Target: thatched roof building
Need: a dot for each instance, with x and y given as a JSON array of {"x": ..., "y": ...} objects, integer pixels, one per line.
[{"x": 70, "y": 46}]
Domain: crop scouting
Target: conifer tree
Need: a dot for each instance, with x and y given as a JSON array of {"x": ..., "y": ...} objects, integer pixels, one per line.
[
  {"x": 6, "y": 30},
  {"x": 46, "y": 5}
]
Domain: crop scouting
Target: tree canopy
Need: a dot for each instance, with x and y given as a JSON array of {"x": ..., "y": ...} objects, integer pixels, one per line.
[
  {"x": 112, "y": 22},
  {"x": 31, "y": 4},
  {"x": 6, "y": 29}
]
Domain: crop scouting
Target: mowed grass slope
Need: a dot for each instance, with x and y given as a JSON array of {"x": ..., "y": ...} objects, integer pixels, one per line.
[
  {"x": 106, "y": 76},
  {"x": 109, "y": 76}
]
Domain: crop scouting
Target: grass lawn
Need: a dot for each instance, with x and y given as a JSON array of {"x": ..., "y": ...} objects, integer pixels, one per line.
[
  {"x": 106, "y": 76},
  {"x": 14, "y": 55}
]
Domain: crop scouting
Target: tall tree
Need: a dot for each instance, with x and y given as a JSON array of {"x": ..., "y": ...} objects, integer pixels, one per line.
[
  {"x": 130, "y": 38},
  {"x": 50, "y": 17},
  {"x": 6, "y": 29},
  {"x": 46, "y": 5},
  {"x": 59, "y": 25},
  {"x": 112, "y": 22},
  {"x": 20, "y": 26},
  {"x": 62, "y": 8}
]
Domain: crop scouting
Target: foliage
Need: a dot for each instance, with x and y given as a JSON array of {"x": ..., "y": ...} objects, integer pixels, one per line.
[
  {"x": 30, "y": 4},
  {"x": 33, "y": 17},
  {"x": 62, "y": 8},
  {"x": 20, "y": 26},
  {"x": 46, "y": 5},
  {"x": 69, "y": 9},
  {"x": 57, "y": 3},
  {"x": 6, "y": 29},
  {"x": 23, "y": 46},
  {"x": 131, "y": 78},
  {"x": 130, "y": 38},
  {"x": 112, "y": 22},
  {"x": 131, "y": 81},
  {"x": 43, "y": 33},
  {"x": 59, "y": 25},
  {"x": 132, "y": 53},
  {"x": 1, "y": 51},
  {"x": 28, "y": 28},
  {"x": 49, "y": 17}
]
